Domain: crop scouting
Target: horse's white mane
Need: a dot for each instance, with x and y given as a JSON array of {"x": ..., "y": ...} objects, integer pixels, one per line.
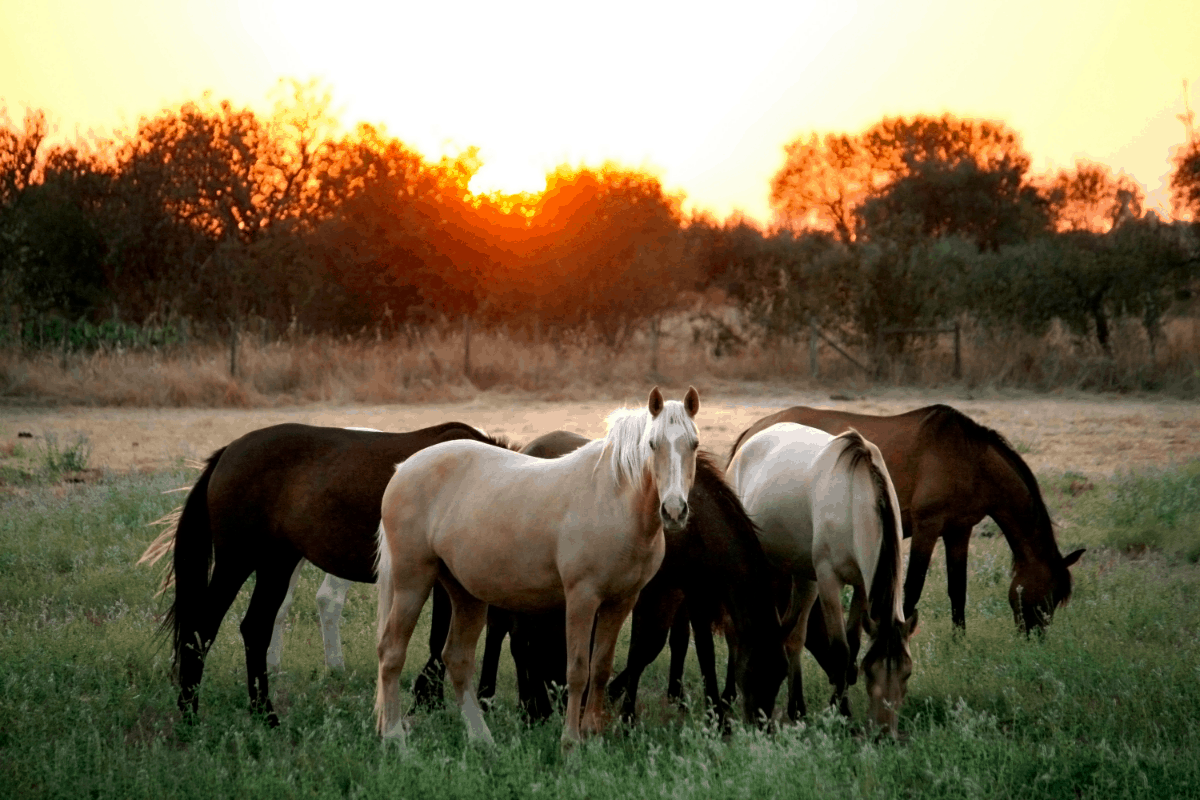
[{"x": 630, "y": 431}]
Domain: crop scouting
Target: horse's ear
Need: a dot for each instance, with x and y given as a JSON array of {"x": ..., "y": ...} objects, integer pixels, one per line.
[
  {"x": 870, "y": 625},
  {"x": 691, "y": 401},
  {"x": 1071, "y": 558},
  {"x": 656, "y": 402},
  {"x": 911, "y": 625}
]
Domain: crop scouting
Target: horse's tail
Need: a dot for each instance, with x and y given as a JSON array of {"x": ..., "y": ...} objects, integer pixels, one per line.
[
  {"x": 883, "y": 510},
  {"x": 192, "y": 563},
  {"x": 383, "y": 585},
  {"x": 383, "y": 577}
]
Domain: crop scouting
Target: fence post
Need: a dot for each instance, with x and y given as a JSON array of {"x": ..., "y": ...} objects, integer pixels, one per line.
[
  {"x": 957, "y": 351},
  {"x": 467, "y": 345},
  {"x": 233, "y": 347},
  {"x": 655, "y": 323},
  {"x": 814, "y": 368}
]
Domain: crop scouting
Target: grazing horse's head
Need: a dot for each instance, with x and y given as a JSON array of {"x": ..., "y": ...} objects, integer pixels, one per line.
[
  {"x": 1038, "y": 588},
  {"x": 669, "y": 443},
  {"x": 887, "y": 666}
]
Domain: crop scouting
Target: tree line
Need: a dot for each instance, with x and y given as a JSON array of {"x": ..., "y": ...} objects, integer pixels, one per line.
[{"x": 215, "y": 216}]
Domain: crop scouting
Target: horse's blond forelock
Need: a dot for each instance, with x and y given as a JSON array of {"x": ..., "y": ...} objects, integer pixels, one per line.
[{"x": 630, "y": 431}]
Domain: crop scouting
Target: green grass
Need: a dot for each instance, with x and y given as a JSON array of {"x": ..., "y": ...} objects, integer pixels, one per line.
[
  {"x": 71, "y": 456},
  {"x": 1102, "y": 706}
]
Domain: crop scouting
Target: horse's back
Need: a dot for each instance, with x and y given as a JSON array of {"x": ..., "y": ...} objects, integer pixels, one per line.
[
  {"x": 772, "y": 473},
  {"x": 501, "y": 522},
  {"x": 313, "y": 488}
]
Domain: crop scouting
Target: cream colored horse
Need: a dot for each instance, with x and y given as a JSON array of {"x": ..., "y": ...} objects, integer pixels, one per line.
[
  {"x": 528, "y": 534},
  {"x": 828, "y": 516}
]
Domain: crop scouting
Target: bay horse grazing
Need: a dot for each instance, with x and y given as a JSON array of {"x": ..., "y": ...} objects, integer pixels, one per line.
[
  {"x": 828, "y": 516},
  {"x": 264, "y": 502},
  {"x": 528, "y": 534},
  {"x": 950, "y": 472},
  {"x": 715, "y": 562}
]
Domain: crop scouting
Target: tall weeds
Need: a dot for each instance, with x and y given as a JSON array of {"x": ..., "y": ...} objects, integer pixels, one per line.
[{"x": 430, "y": 367}]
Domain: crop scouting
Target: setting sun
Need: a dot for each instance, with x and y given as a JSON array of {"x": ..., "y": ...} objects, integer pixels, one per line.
[{"x": 507, "y": 177}]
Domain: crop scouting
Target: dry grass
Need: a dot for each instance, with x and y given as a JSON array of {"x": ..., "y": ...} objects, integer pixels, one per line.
[{"x": 323, "y": 369}]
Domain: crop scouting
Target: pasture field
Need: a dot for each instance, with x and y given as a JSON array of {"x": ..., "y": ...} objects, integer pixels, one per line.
[{"x": 1105, "y": 705}]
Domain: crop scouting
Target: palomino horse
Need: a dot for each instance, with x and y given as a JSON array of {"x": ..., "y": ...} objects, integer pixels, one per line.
[
  {"x": 950, "y": 472},
  {"x": 262, "y": 503},
  {"x": 527, "y": 534},
  {"x": 715, "y": 561},
  {"x": 828, "y": 517}
]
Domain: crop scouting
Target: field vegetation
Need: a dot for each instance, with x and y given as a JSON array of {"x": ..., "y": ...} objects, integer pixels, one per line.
[
  {"x": 239, "y": 258},
  {"x": 1101, "y": 706}
]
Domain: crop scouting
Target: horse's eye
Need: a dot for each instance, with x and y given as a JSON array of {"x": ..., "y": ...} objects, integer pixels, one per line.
[{"x": 652, "y": 444}]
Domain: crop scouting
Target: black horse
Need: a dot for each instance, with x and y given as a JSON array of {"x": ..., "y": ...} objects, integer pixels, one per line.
[
  {"x": 715, "y": 563},
  {"x": 262, "y": 503}
]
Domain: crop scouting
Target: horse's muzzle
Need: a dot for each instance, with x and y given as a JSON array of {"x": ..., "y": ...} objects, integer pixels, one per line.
[{"x": 674, "y": 515}]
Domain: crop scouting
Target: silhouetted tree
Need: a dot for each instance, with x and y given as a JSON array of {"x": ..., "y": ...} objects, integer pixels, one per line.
[{"x": 1090, "y": 198}]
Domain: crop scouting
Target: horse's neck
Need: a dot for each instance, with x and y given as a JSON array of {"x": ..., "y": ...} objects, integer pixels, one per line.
[
  {"x": 1013, "y": 506},
  {"x": 636, "y": 499}
]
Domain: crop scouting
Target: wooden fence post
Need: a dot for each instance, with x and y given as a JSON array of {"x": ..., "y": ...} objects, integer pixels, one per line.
[
  {"x": 233, "y": 348},
  {"x": 467, "y": 346},
  {"x": 814, "y": 368},
  {"x": 957, "y": 350}
]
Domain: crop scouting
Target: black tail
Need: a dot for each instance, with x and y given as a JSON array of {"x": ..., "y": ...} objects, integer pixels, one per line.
[{"x": 192, "y": 564}]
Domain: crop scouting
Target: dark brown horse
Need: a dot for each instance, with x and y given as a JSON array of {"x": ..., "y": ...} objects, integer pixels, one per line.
[
  {"x": 950, "y": 472},
  {"x": 715, "y": 562},
  {"x": 262, "y": 503}
]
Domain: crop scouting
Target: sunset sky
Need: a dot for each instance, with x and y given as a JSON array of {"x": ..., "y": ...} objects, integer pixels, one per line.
[{"x": 704, "y": 96}]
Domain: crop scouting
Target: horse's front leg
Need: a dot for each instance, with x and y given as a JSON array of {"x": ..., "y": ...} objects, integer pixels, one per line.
[
  {"x": 582, "y": 606},
  {"x": 609, "y": 619}
]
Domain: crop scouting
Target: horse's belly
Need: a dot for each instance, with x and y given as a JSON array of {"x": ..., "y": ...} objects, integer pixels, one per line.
[
  {"x": 510, "y": 567},
  {"x": 514, "y": 585}
]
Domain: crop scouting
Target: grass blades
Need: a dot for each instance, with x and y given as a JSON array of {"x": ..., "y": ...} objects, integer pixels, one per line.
[{"x": 1104, "y": 705}]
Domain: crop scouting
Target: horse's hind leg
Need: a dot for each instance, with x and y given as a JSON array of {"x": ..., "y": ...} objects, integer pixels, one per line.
[
  {"x": 652, "y": 617},
  {"x": 466, "y": 623},
  {"x": 706, "y": 657},
  {"x": 804, "y": 596},
  {"x": 331, "y": 599},
  {"x": 269, "y": 590},
  {"x": 427, "y": 688},
  {"x": 680, "y": 635},
  {"x": 499, "y": 625},
  {"x": 957, "y": 541},
  {"x": 275, "y": 648},
  {"x": 536, "y": 640},
  {"x": 227, "y": 578},
  {"x": 829, "y": 587},
  {"x": 409, "y": 589}
]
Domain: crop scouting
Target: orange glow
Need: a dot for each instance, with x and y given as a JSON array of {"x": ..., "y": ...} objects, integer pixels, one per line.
[{"x": 705, "y": 101}]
